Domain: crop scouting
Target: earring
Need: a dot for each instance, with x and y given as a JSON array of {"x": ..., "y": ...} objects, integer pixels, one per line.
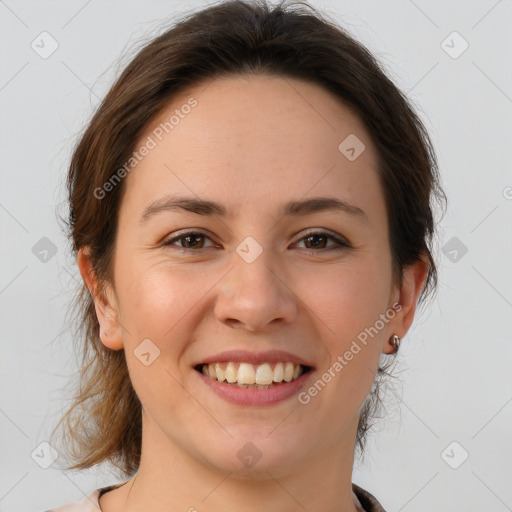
[{"x": 395, "y": 341}]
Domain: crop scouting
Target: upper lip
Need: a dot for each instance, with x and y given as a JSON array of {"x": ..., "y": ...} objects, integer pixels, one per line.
[{"x": 268, "y": 356}]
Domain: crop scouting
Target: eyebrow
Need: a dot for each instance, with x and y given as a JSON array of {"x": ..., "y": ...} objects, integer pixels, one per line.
[{"x": 205, "y": 207}]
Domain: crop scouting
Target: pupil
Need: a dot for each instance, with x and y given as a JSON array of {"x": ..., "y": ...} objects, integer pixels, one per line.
[
  {"x": 315, "y": 236},
  {"x": 188, "y": 237}
]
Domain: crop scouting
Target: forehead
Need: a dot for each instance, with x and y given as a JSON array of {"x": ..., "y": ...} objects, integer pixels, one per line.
[{"x": 251, "y": 141}]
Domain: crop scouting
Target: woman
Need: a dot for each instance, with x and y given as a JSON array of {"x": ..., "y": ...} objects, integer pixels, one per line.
[{"x": 250, "y": 208}]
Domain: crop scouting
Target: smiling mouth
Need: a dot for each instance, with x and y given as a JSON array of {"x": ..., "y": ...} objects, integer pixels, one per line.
[{"x": 250, "y": 376}]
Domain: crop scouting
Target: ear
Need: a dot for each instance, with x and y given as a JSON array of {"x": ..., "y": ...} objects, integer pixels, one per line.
[
  {"x": 414, "y": 278},
  {"x": 104, "y": 303}
]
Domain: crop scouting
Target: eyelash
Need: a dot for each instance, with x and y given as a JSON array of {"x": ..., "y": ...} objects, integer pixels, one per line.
[{"x": 341, "y": 243}]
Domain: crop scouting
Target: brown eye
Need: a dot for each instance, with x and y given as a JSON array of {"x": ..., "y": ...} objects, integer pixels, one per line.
[
  {"x": 314, "y": 240},
  {"x": 190, "y": 241},
  {"x": 318, "y": 240}
]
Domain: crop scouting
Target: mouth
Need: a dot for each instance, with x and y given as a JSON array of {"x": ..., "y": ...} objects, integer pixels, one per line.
[{"x": 253, "y": 376}]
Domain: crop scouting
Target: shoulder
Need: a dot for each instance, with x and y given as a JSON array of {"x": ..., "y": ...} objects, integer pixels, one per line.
[
  {"x": 88, "y": 504},
  {"x": 368, "y": 501}
]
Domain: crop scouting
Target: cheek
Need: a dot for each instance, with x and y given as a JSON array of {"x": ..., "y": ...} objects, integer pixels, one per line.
[
  {"x": 159, "y": 304},
  {"x": 344, "y": 298},
  {"x": 159, "y": 298},
  {"x": 164, "y": 303},
  {"x": 347, "y": 303}
]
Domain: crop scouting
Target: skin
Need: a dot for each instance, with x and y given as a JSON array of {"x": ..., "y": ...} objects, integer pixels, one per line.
[{"x": 252, "y": 143}]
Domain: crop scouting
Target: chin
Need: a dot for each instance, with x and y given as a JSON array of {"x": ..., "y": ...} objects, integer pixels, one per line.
[{"x": 254, "y": 456}]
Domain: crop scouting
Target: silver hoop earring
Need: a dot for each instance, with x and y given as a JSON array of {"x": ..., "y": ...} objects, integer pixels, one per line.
[{"x": 395, "y": 341}]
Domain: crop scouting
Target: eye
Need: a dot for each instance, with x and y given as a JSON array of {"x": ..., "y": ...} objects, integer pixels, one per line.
[
  {"x": 192, "y": 240},
  {"x": 317, "y": 240}
]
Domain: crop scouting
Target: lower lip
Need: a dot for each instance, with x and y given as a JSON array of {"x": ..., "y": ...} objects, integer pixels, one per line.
[{"x": 258, "y": 397}]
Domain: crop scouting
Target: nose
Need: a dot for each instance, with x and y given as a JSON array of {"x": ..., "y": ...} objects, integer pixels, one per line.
[{"x": 254, "y": 295}]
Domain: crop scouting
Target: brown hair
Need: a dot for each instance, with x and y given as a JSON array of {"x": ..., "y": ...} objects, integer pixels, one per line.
[{"x": 291, "y": 39}]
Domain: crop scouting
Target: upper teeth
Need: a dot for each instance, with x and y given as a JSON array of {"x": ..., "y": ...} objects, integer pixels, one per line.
[{"x": 246, "y": 373}]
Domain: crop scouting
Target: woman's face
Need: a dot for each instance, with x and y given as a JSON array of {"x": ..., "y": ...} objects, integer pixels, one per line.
[{"x": 245, "y": 276}]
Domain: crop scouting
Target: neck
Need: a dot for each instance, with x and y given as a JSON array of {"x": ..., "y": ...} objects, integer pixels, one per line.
[{"x": 169, "y": 478}]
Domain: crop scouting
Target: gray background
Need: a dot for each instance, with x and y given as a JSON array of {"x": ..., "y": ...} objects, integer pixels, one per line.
[{"x": 455, "y": 362}]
